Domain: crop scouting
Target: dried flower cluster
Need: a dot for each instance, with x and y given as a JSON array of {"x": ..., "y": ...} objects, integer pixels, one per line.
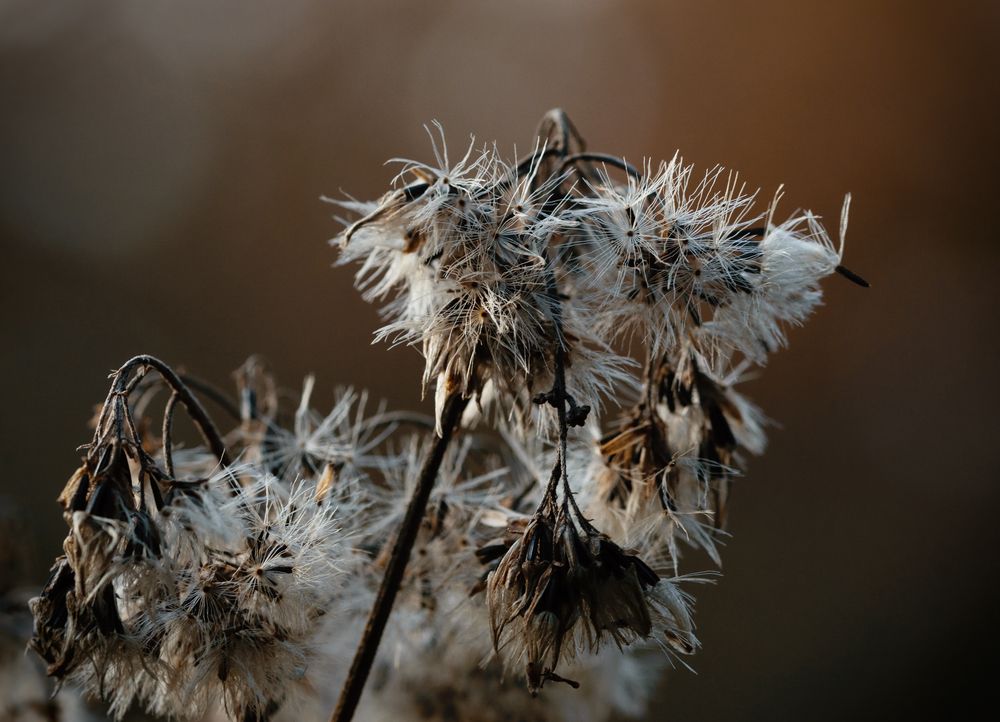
[
  {"x": 520, "y": 281},
  {"x": 177, "y": 589},
  {"x": 515, "y": 532}
]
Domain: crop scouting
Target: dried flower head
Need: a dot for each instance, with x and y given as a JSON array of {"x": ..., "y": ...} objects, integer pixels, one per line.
[
  {"x": 467, "y": 249},
  {"x": 562, "y": 587}
]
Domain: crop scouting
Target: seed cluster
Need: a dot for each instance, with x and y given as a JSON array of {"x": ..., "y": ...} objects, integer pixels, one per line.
[
  {"x": 521, "y": 282},
  {"x": 584, "y": 324}
]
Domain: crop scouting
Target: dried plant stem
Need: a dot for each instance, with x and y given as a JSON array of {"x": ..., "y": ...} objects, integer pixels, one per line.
[
  {"x": 194, "y": 408},
  {"x": 168, "y": 444},
  {"x": 219, "y": 397},
  {"x": 559, "y": 396},
  {"x": 406, "y": 535},
  {"x": 603, "y": 158}
]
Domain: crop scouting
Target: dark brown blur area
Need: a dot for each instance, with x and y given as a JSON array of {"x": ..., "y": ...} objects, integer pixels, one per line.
[{"x": 161, "y": 171}]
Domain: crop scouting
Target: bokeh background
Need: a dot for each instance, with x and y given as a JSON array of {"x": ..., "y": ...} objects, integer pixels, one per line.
[{"x": 160, "y": 171}]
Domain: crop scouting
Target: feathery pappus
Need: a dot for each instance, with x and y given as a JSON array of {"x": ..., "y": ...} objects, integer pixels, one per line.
[{"x": 585, "y": 325}]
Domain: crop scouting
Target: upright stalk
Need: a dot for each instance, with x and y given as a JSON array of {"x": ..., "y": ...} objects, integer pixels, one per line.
[{"x": 364, "y": 657}]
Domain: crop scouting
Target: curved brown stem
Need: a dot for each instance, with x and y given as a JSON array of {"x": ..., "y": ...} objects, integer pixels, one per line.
[
  {"x": 213, "y": 393},
  {"x": 195, "y": 410},
  {"x": 603, "y": 158}
]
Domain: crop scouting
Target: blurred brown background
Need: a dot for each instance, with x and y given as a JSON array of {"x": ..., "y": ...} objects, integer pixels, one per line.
[{"x": 161, "y": 169}]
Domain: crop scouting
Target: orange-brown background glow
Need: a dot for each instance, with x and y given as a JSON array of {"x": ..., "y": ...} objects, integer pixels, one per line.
[{"x": 162, "y": 164}]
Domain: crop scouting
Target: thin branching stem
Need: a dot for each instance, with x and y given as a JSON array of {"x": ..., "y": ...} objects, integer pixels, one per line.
[
  {"x": 212, "y": 392},
  {"x": 168, "y": 444},
  {"x": 200, "y": 417},
  {"x": 603, "y": 158}
]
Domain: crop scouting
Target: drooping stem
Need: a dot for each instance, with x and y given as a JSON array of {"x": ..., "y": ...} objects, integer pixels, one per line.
[
  {"x": 406, "y": 535},
  {"x": 168, "y": 444},
  {"x": 568, "y": 413},
  {"x": 213, "y": 393},
  {"x": 195, "y": 410},
  {"x": 558, "y": 397},
  {"x": 602, "y": 158}
]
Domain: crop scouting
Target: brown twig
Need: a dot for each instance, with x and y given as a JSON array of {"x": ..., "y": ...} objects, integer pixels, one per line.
[
  {"x": 195, "y": 410},
  {"x": 604, "y": 159},
  {"x": 168, "y": 447},
  {"x": 364, "y": 657}
]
